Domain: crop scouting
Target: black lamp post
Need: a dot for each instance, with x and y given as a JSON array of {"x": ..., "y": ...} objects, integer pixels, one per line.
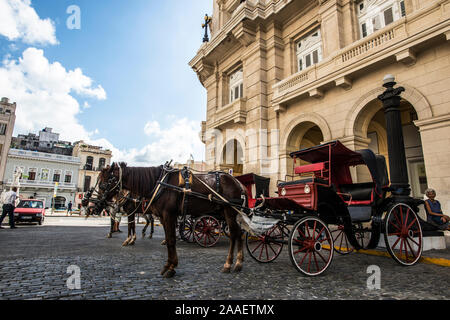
[
  {"x": 205, "y": 25},
  {"x": 396, "y": 147}
]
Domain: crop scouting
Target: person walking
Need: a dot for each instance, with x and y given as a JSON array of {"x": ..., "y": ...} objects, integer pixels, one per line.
[
  {"x": 69, "y": 208},
  {"x": 8, "y": 207}
]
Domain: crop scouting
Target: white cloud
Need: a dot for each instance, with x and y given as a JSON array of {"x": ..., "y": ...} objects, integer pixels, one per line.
[
  {"x": 175, "y": 143},
  {"x": 43, "y": 91},
  {"x": 19, "y": 21}
]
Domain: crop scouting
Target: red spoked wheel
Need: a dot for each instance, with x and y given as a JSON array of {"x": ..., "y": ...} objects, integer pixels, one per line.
[
  {"x": 207, "y": 231},
  {"x": 403, "y": 235},
  {"x": 341, "y": 243},
  {"x": 266, "y": 247},
  {"x": 311, "y": 246}
]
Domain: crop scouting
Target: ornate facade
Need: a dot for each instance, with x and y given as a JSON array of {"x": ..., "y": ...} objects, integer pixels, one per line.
[{"x": 312, "y": 72}]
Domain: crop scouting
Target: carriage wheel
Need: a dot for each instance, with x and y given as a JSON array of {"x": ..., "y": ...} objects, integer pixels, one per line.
[
  {"x": 403, "y": 235},
  {"x": 225, "y": 229},
  {"x": 341, "y": 243},
  {"x": 186, "y": 230},
  {"x": 266, "y": 247},
  {"x": 311, "y": 246},
  {"x": 207, "y": 231}
]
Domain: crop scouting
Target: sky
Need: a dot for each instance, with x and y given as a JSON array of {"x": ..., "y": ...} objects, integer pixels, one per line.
[{"x": 119, "y": 79}]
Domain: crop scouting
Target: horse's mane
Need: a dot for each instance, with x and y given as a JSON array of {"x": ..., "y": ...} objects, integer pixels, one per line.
[{"x": 140, "y": 181}]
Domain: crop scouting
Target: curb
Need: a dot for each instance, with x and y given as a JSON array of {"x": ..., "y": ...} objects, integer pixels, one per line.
[{"x": 428, "y": 260}]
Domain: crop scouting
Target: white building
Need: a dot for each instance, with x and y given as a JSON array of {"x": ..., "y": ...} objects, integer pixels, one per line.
[{"x": 40, "y": 172}]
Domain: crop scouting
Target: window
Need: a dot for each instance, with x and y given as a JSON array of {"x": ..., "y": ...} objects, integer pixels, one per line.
[
  {"x": 388, "y": 16},
  {"x": 89, "y": 163},
  {"x": 236, "y": 85},
  {"x": 101, "y": 163},
  {"x": 309, "y": 50},
  {"x": 87, "y": 183},
  {"x": 363, "y": 30},
  {"x": 2, "y": 129},
  {"x": 32, "y": 174},
  {"x": 45, "y": 174},
  {"x": 68, "y": 177},
  {"x": 57, "y": 176},
  {"x": 402, "y": 8},
  {"x": 375, "y": 15}
]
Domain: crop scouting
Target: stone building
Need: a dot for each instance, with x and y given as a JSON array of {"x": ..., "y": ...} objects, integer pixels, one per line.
[
  {"x": 93, "y": 160},
  {"x": 45, "y": 141},
  {"x": 39, "y": 172},
  {"x": 7, "y": 120},
  {"x": 282, "y": 75}
]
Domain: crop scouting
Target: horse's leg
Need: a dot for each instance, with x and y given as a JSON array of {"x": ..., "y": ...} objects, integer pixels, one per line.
[
  {"x": 132, "y": 226},
  {"x": 152, "y": 228},
  {"x": 240, "y": 253},
  {"x": 233, "y": 233},
  {"x": 111, "y": 230},
  {"x": 127, "y": 241},
  {"x": 146, "y": 226},
  {"x": 168, "y": 270}
]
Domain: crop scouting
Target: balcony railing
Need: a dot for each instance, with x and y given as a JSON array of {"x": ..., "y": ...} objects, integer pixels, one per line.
[
  {"x": 43, "y": 184},
  {"x": 234, "y": 112},
  {"x": 44, "y": 156}
]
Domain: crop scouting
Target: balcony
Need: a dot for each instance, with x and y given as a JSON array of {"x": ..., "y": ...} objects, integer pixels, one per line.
[
  {"x": 234, "y": 112},
  {"x": 43, "y": 184},
  {"x": 400, "y": 40},
  {"x": 43, "y": 156}
]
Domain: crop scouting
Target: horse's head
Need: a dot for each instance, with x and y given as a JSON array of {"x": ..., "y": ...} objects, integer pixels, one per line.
[{"x": 108, "y": 186}]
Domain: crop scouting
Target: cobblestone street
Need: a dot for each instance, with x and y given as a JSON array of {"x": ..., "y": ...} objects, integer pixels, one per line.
[{"x": 34, "y": 262}]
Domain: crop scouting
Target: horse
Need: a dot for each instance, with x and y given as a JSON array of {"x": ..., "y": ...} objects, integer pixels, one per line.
[
  {"x": 168, "y": 201},
  {"x": 131, "y": 207}
]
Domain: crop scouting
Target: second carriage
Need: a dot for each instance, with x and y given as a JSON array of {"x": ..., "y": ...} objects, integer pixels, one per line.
[{"x": 323, "y": 210}]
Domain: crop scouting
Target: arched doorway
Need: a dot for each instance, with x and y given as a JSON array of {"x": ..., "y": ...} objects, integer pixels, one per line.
[
  {"x": 304, "y": 135},
  {"x": 233, "y": 158},
  {"x": 59, "y": 202},
  {"x": 371, "y": 123}
]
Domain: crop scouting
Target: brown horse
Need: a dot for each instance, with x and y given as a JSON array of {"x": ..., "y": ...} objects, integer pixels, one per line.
[
  {"x": 131, "y": 207},
  {"x": 169, "y": 203}
]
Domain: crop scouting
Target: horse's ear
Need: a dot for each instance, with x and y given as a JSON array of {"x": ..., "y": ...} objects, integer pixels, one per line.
[{"x": 113, "y": 166}]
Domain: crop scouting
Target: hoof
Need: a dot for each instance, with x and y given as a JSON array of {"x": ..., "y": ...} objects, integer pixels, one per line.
[
  {"x": 164, "y": 242},
  {"x": 150, "y": 236},
  {"x": 169, "y": 274},
  {"x": 226, "y": 270},
  {"x": 164, "y": 270},
  {"x": 237, "y": 268},
  {"x": 109, "y": 236},
  {"x": 143, "y": 236},
  {"x": 126, "y": 243}
]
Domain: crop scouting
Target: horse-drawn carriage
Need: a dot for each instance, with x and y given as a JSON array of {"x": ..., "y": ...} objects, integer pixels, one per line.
[
  {"x": 325, "y": 194},
  {"x": 325, "y": 197}
]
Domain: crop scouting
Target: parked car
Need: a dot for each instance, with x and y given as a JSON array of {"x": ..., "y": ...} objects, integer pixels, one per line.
[{"x": 30, "y": 210}]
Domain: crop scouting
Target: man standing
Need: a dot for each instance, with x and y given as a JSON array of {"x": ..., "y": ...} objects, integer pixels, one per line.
[
  {"x": 69, "y": 208},
  {"x": 8, "y": 207}
]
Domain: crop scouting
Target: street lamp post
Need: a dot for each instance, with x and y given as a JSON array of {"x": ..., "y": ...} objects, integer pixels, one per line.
[{"x": 396, "y": 147}]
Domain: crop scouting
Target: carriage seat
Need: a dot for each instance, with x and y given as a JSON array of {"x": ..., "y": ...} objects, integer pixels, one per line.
[
  {"x": 362, "y": 193},
  {"x": 302, "y": 181}
]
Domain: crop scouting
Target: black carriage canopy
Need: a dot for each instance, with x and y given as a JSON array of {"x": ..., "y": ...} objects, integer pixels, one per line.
[
  {"x": 341, "y": 158},
  {"x": 261, "y": 183}
]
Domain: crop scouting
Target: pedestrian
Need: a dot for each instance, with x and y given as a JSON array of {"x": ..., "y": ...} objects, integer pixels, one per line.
[
  {"x": 69, "y": 208},
  {"x": 434, "y": 210},
  {"x": 9, "y": 200}
]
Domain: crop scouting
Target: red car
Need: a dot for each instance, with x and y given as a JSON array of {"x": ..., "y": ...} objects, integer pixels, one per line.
[{"x": 30, "y": 210}]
